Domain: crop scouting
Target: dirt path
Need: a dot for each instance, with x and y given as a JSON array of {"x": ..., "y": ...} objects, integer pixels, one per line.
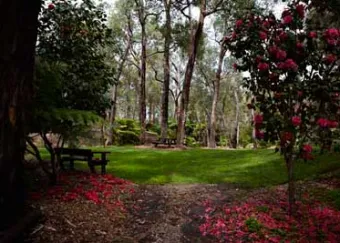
[{"x": 172, "y": 213}]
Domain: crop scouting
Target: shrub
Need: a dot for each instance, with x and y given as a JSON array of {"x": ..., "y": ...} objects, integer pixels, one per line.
[{"x": 127, "y": 137}]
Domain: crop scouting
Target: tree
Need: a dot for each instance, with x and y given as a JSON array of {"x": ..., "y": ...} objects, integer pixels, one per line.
[
  {"x": 293, "y": 78},
  {"x": 166, "y": 69},
  {"x": 195, "y": 38},
  {"x": 128, "y": 35},
  {"x": 18, "y": 34}
]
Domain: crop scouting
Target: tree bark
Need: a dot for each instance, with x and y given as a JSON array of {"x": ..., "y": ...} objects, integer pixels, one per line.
[
  {"x": 18, "y": 35},
  {"x": 235, "y": 138},
  {"x": 166, "y": 67},
  {"x": 117, "y": 78},
  {"x": 142, "y": 95},
  {"x": 195, "y": 39},
  {"x": 217, "y": 82}
]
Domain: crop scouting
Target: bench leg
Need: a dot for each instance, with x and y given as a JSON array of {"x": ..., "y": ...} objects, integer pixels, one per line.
[
  {"x": 62, "y": 167},
  {"x": 103, "y": 169},
  {"x": 71, "y": 164},
  {"x": 92, "y": 169}
]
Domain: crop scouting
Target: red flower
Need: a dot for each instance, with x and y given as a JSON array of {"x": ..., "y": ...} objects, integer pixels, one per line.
[
  {"x": 239, "y": 23},
  {"x": 307, "y": 148},
  {"x": 262, "y": 66},
  {"x": 51, "y": 6},
  {"x": 259, "y": 134},
  {"x": 258, "y": 118},
  {"x": 235, "y": 66},
  {"x": 273, "y": 50},
  {"x": 281, "y": 54},
  {"x": 296, "y": 121},
  {"x": 266, "y": 24},
  {"x": 332, "y": 33},
  {"x": 258, "y": 59},
  {"x": 263, "y": 35},
  {"x": 291, "y": 65},
  {"x": 330, "y": 59},
  {"x": 299, "y": 45},
  {"x": 233, "y": 35},
  {"x": 322, "y": 122},
  {"x": 300, "y": 9},
  {"x": 332, "y": 42},
  {"x": 312, "y": 34},
  {"x": 333, "y": 124},
  {"x": 283, "y": 36},
  {"x": 287, "y": 136},
  {"x": 287, "y": 19}
]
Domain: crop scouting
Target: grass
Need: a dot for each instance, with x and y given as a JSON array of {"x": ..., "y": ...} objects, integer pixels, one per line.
[{"x": 245, "y": 168}]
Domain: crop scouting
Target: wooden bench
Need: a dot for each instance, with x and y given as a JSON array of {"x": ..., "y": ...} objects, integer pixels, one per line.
[
  {"x": 165, "y": 141},
  {"x": 71, "y": 155}
]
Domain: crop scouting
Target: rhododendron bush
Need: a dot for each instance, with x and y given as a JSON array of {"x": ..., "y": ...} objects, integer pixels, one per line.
[
  {"x": 105, "y": 190},
  {"x": 264, "y": 219},
  {"x": 293, "y": 79}
]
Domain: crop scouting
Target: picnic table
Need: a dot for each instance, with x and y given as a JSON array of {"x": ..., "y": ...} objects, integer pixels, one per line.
[
  {"x": 165, "y": 141},
  {"x": 71, "y": 155}
]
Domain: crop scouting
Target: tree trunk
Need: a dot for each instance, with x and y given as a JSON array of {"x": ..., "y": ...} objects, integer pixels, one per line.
[
  {"x": 235, "y": 138},
  {"x": 18, "y": 35},
  {"x": 291, "y": 182},
  {"x": 212, "y": 131},
  {"x": 115, "y": 87},
  {"x": 166, "y": 67},
  {"x": 195, "y": 39},
  {"x": 253, "y": 135},
  {"x": 142, "y": 95}
]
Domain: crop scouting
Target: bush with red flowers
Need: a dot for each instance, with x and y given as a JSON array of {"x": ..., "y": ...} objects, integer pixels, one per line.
[{"x": 293, "y": 79}]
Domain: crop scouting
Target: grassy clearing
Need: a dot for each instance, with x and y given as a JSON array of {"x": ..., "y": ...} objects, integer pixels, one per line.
[{"x": 245, "y": 168}]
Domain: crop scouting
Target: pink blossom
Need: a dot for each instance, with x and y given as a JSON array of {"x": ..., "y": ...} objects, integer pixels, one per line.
[
  {"x": 333, "y": 124},
  {"x": 283, "y": 36},
  {"x": 239, "y": 23},
  {"x": 299, "y": 45},
  {"x": 281, "y": 54},
  {"x": 258, "y": 118},
  {"x": 259, "y": 134},
  {"x": 291, "y": 65},
  {"x": 307, "y": 148},
  {"x": 262, "y": 66},
  {"x": 266, "y": 24},
  {"x": 312, "y": 34},
  {"x": 287, "y": 19},
  {"x": 263, "y": 35},
  {"x": 332, "y": 33},
  {"x": 329, "y": 59},
  {"x": 322, "y": 122},
  {"x": 300, "y": 9},
  {"x": 296, "y": 121}
]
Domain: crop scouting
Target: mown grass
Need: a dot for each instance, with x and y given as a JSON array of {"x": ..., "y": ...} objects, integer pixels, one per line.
[{"x": 245, "y": 168}]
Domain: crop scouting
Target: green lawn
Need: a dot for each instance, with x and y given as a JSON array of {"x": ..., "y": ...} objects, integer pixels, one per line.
[{"x": 246, "y": 168}]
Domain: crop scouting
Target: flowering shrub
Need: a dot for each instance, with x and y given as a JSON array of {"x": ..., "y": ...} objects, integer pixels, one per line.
[
  {"x": 293, "y": 77},
  {"x": 98, "y": 189},
  {"x": 262, "y": 220}
]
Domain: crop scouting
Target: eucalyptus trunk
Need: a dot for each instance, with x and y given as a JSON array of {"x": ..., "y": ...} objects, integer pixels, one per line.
[
  {"x": 217, "y": 82},
  {"x": 166, "y": 67},
  {"x": 113, "y": 111},
  {"x": 18, "y": 35},
  {"x": 194, "y": 44},
  {"x": 142, "y": 95}
]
